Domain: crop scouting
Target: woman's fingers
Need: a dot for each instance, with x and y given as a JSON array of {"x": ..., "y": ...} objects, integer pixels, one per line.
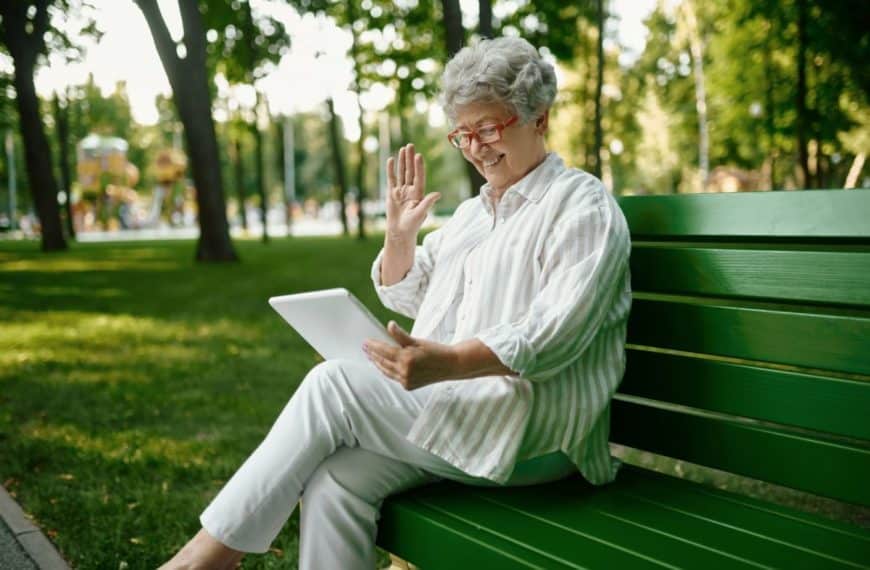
[
  {"x": 384, "y": 363},
  {"x": 409, "y": 165},
  {"x": 391, "y": 172},
  {"x": 402, "y": 165},
  {"x": 381, "y": 349},
  {"x": 426, "y": 203},
  {"x": 419, "y": 176}
]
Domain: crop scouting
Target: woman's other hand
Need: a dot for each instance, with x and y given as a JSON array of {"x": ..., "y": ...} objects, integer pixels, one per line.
[
  {"x": 406, "y": 205},
  {"x": 415, "y": 362}
]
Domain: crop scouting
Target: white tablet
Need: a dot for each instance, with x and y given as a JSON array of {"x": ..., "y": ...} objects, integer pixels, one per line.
[{"x": 332, "y": 321}]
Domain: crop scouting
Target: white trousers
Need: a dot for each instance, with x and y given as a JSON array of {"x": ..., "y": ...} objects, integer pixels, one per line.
[{"x": 340, "y": 444}]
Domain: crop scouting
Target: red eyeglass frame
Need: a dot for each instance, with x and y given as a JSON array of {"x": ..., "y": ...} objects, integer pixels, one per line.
[{"x": 472, "y": 133}]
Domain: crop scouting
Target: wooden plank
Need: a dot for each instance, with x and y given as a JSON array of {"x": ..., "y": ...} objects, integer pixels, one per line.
[
  {"x": 836, "y": 470},
  {"x": 441, "y": 526},
  {"x": 789, "y": 275},
  {"x": 432, "y": 540},
  {"x": 822, "y": 543},
  {"x": 809, "y": 401},
  {"x": 559, "y": 525},
  {"x": 817, "y": 341},
  {"x": 805, "y": 214},
  {"x": 764, "y": 539}
]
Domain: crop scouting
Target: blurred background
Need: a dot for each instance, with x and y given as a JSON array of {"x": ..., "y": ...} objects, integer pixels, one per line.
[{"x": 293, "y": 107}]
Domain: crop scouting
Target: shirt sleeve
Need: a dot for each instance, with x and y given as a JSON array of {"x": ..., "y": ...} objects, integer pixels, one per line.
[
  {"x": 406, "y": 296},
  {"x": 583, "y": 274}
]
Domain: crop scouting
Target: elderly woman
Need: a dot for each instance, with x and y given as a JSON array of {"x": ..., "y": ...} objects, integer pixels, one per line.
[{"x": 520, "y": 304}]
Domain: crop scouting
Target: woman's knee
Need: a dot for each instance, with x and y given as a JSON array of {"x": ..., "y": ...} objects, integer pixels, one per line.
[
  {"x": 336, "y": 487},
  {"x": 363, "y": 475}
]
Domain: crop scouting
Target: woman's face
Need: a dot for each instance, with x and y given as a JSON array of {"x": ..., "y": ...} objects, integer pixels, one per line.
[{"x": 506, "y": 161}]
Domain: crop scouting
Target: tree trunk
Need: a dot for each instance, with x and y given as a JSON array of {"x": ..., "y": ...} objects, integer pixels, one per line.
[
  {"x": 697, "y": 51},
  {"x": 769, "y": 118},
  {"x": 261, "y": 168},
  {"x": 338, "y": 165},
  {"x": 361, "y": 153},
  {"x": 360, "y": 179},
  {"x": 484, "y": 27},
  {"x": 189, "y": 80},
  {"x": 599, "y": 84},
  {"x": 61, "y": 122},
  {"x": 24, "y": 47},
  {"x": 455, "y": 36},
  {"x": 43, "y": 187},
  {"x": 453, "y": 30},
  {"x": 239, "y": 168},
  {"x": 801, "y": 94},
  {"x": 283, "y": 162}
]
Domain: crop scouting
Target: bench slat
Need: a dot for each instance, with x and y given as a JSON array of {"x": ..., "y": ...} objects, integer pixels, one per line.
[
  {"x": 559, "y": 524},
  {"x": 816, "y": 341},
  {"x": 666, "y": 514},
  {"x": 806, "y": 214},
  {"x": 809, "y": 401},
  {"x": 431, "y": 539},
  {"x": 789, "y": 275},
  {"x": 802, "y": 462},
  {"x": 465, "y": 536},
  {"x": 777, "y": 525}
]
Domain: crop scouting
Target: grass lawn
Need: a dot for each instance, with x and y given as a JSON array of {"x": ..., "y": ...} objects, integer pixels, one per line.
[{"x": 133, "y": 382}]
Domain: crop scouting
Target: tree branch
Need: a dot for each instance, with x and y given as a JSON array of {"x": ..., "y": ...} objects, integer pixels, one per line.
[
  {"x": 40, "y": 24},
  {"x": 193, "y": 33},
  {"x": 162, "y": 40}
]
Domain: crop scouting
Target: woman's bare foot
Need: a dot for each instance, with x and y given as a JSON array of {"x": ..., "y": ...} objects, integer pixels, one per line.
[{"x": 203, "y": 552}]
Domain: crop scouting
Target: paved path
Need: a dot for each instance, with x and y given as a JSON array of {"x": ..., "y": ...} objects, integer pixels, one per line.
[{"x": 22, "y": 544}]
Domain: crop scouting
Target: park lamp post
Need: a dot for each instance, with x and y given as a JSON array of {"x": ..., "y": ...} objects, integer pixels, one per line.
[{"x": 10, "y": 161}]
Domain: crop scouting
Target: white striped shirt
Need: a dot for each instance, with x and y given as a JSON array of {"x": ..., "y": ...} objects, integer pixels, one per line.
[{"x": 541, "y": 277}]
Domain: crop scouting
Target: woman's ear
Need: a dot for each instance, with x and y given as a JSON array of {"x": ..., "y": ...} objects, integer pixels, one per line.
[{"x": 543, "y": 122}]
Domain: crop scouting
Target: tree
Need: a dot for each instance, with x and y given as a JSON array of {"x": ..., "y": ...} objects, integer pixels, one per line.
[
  {"x": 599, "y": 85},
  {"x": 696, "y": 49},
  {"x": 484, "y": 25},
  {"x": 185, "y": 66},
  {"x": 338, "y": 164},
  {"x": 245, "y": 48},
  {"x": 61, "y": 123},
  {"x": 22, "y": 30},
  {"x": 454, "y": 35},
  {"x": 801, "y": 93}
]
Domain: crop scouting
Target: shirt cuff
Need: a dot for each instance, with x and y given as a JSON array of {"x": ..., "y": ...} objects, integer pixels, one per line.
[
  {"x": 402, "y": 295},
  {"x": 510, "y": 346}
]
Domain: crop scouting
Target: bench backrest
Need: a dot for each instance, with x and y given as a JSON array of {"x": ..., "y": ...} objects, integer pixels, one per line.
[{"x": 749, "y": 338}]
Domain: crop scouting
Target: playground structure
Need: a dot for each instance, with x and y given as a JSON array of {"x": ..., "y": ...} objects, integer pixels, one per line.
[{"x": 106, "y": 180}]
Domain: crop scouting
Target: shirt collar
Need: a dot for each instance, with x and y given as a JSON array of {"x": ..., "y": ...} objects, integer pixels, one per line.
[{"x": 532, "y": 187}]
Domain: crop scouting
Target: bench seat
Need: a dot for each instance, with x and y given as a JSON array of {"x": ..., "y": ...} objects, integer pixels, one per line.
[{"x": 642, "y": 520}]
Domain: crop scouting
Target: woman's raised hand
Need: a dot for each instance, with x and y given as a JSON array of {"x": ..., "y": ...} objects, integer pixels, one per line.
[{"x": 406, "y": 205}]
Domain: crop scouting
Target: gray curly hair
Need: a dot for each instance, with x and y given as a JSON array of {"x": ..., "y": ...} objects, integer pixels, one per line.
[{"x": 502, "y": 70}]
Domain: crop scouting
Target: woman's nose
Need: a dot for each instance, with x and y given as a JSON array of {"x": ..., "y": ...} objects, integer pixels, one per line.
[{"x": 475, "y": 147}]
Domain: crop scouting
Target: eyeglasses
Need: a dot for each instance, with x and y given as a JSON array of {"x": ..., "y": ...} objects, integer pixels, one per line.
[{"x": 485, "y": 134}]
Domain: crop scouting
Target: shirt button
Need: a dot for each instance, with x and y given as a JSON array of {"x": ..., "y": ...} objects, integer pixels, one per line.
[{"x": 501, "y": 219}]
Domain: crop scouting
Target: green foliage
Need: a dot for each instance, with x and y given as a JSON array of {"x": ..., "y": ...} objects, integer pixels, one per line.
[{"x": 242, "y": 44}]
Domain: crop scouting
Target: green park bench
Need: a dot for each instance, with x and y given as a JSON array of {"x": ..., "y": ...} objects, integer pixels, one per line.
[{"x": 748, "y": 352}]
